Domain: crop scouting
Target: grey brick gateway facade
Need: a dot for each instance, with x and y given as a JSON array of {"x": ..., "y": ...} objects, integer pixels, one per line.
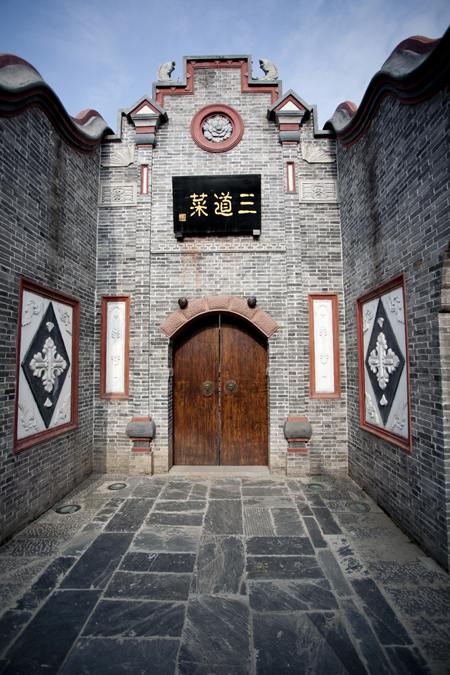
[
  {"x": 288, "y": 240},
  {"x": 296, "y": 253}
]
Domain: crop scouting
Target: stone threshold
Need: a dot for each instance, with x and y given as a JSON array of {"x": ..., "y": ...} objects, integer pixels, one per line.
[{"x": 240, "y": 471}]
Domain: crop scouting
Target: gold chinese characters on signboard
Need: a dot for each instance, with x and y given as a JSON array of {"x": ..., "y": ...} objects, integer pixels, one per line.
[{"x": 217, "y": 205}]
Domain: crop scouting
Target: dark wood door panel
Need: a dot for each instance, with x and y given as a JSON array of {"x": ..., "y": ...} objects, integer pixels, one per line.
[
  {"x": 244, "y": 424},
  {"x": 196, "y": 410},
  {"x": 222, "y": 424}
]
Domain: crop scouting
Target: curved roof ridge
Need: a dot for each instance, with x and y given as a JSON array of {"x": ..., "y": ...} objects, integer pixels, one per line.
[
  {"x": 22, "y": 87},
  {"x": 416, "y": 69}
]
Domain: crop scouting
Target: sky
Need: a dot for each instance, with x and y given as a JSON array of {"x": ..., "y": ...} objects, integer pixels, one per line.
[{"x": 104, "y": 54}]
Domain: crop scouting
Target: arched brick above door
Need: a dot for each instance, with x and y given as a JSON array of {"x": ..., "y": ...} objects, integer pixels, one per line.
[{"x": 214, "y": 304}]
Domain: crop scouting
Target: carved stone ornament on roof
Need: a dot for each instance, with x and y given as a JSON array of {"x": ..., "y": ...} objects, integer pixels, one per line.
[
  {"x": 165, "y": 71},
  {"x": 270, "y": 70}
]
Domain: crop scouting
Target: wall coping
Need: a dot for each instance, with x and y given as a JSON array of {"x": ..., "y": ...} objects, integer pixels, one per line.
[
  {"x": 22, "y": 87},
  {"x": 417, "y": 68}
]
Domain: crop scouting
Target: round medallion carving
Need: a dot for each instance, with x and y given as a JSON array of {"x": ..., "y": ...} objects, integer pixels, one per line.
[{"x": 217, "y": 128}]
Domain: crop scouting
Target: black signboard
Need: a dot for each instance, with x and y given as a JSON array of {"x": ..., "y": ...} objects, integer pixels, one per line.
[{"x": 205, "y": 205}]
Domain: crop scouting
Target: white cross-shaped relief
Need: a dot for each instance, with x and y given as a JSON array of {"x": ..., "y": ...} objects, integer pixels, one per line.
[
  {"x": 383, "y": 361},
  {"x": 48, "y": 364}
]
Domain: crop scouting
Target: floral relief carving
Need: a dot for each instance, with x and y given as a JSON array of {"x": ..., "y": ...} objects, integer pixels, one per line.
[
  {"x": 27, "y": 418},
  {"x": 368, "y": 316},
  {"x": 396, "y": 306},
  {"x": 64, "y": 411},
  {"x": 32, "y": 308},
  {"x": 217, "y": 128},
  {"x": 370, "y": 409},
  {"x": 48, "y": 364},
  {"x": 383, "y": 361},
  {"x": 66, "y": 319},
  {"x": 400, "y": 417}
]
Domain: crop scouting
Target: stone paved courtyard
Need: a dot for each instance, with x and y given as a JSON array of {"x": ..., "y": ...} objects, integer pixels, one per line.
[{"x": 193, "y": 573}]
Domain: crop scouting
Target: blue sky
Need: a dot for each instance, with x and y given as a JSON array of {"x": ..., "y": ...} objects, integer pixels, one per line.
[{"x": 104, "y": 54}]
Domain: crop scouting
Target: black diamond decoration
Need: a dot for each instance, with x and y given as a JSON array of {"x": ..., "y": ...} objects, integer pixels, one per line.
[
  {"x": 381, "y": 356},
  {"x": 43, "y": 365}
]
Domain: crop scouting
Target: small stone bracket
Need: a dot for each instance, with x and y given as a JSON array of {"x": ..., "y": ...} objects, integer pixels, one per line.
[{"x": 141, "y": 431}]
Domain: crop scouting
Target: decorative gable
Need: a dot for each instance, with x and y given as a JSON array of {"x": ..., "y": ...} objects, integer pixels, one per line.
[
  {"x": 288, "y": 113},
  {"x": 146, "y": 116}
]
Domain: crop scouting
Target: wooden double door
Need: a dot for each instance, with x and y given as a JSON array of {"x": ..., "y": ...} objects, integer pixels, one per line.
[{"x": 220, "y": 394}]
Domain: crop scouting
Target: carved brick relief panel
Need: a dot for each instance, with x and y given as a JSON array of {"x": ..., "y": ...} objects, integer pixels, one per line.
[
  {"x": 47, "y": 365},
  {"x": 117, "y": 194},
  {"x": 114, "y": 373},
  {"x": 324, "y": 346},
  {"x": 383, "y": 363},
  {"x": 318, "y": 191}
]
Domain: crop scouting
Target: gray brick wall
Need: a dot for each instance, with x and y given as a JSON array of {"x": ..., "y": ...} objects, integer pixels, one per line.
[
  {"x": 297, "y": 253},
  {"x": 48, "y": 235},
  {"x": 394, "y": 216}
]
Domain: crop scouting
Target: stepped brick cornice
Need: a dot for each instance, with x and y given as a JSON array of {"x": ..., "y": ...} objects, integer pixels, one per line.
[{"x": 192, "y": 63}]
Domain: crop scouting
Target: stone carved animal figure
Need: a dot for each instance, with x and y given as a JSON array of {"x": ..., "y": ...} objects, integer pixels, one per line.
[
  {"x": 165, "y": 70},
  {"x": 270, "y": 69}
]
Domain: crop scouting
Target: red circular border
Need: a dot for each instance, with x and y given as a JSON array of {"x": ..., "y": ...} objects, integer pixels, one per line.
[{"x": 217, "y": 109}]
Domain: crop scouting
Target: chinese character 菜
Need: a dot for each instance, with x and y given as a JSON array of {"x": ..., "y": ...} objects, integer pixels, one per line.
[{"x": 198, "y": 207}]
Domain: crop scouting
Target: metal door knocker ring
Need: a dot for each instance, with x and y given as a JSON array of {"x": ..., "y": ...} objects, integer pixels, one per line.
[
  {"x": 208, "y": 388},
  {"x": 230, "y": 386}
]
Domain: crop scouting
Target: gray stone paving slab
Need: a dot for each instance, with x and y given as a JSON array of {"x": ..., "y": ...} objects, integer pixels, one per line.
[
  {"x": 291, "y": 596},
  {"x": 165, "y": 518},
  {"x": 224, "y": 517},
  {"x": 220, "y": 566},
  {"x": 288, "y": 522},
  {"x": 149, "y": 586},
  {"x": 258, "y": 522},
  {"x": 283, "y": 567},
  {"x": 161, "y": 538},
  {"x": 136, "y": 618},
  {"x": 180, "y": 505},
  {"x": 301, "y": 642},
  {"x": 46, "y": 640},
  {"x": 216, "y": 636},
  {"x": 110, "y": 657},
  {"x": 211, "y": 573},
  {"x": 279, "y": 546}
]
